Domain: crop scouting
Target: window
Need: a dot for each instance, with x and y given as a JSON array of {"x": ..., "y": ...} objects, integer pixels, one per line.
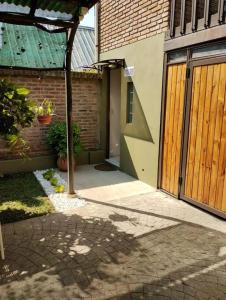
[
  {"x": 130, "y": 96},
  {"x": 177, "y": 56},
  {"x": 208, "y": 50}
]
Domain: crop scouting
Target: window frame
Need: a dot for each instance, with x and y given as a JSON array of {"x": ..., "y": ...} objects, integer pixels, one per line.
[{"x": 130, "y": 102}]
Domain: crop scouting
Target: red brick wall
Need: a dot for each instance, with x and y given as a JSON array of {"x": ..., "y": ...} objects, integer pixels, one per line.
[
  {"x": 86, "y": 89},
  {"x": 123, "y": 22}
]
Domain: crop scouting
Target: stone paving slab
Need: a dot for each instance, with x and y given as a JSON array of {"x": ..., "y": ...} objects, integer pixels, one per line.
[
  {"x": 102, "y": 252},
  {"x": 147, "y": 246}
]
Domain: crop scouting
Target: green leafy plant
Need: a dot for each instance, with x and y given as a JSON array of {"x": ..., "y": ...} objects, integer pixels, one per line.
[
  {"x": 49, "y": 174},
  {"x": 59, "y": 189},
  {"x": 45, "y": 108},
  {"x": 54, "y": 181},
  {"x": 16, "y": 113},
  {"x": 57, "y": 139}
]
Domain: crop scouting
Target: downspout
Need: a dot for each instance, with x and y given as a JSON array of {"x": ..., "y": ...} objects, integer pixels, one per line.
[
  {"x": 97, "y": 52},
  {"x": 68, "y": 83}
]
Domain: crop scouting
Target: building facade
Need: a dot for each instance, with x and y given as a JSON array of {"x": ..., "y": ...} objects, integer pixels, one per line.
[{"x": 164, "y": 103}]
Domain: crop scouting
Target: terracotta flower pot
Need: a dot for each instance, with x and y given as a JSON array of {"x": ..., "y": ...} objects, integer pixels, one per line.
[
  {"x": 45, "y": 120},
  {"x": 62, "y": 164}
]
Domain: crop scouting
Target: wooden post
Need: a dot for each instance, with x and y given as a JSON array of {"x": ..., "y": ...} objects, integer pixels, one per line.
[{"x": 69, "y": 121}]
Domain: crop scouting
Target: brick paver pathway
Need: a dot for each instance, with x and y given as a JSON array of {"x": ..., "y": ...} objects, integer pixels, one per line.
[{"x": 142, "y": 247}]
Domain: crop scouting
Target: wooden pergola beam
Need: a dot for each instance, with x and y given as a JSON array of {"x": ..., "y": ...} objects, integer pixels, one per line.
[
  {"x": 33, "y": 7},
  {"x": 22, "y": 19}
]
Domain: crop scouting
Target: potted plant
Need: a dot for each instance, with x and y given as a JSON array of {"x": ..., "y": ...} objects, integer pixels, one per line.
[
  {"x": 57, "y": 140},
  {"x": 45, "y": 112}
]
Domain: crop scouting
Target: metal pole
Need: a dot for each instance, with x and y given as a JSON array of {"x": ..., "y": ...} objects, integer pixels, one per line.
[
  {"x": 97, "y": 32},
  {"x": 1, "y": 244},
  {"x": 68, "y": 83}
]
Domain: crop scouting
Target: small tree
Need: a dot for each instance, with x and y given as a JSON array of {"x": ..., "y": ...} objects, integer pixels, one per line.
[{"x": 16, "y": 113}]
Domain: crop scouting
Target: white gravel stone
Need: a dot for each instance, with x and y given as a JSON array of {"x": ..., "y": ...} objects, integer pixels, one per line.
[{"x": 60, "y": 201}]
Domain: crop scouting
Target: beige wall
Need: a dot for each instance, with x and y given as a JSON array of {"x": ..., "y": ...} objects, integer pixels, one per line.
[{"x": 140, "y": 140}]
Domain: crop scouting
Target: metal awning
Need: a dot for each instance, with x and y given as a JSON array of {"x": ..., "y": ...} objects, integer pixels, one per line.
[
  {"x": 113, "y": 63},
  {"x": 65, "y": 15}
]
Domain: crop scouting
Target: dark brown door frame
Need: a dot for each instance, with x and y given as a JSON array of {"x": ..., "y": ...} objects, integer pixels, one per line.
[
  {"x": 191, "y": 63},
  {"x": 108, "y": 70},
  {"x": 162, "y": 121},
  {"x": 185, "y": 141}
]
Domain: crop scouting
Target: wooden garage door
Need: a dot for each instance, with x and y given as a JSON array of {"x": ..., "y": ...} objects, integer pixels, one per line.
[
  {"x": 173, "y": 127},
  {"x": 205, "y": 178}
]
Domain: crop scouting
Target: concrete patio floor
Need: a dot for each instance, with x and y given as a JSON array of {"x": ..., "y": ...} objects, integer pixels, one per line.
[
  {"x": 140, "y": 245},
  {"x": 106, "y": 186}
]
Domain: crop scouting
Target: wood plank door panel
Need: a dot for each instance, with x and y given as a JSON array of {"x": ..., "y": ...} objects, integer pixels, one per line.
[
  {"x": 205, "y": 178},
  {"x": 174, "y": 107}
]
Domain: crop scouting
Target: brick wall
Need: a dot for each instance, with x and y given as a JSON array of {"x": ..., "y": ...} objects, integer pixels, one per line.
[
  {"x": 123, "y": 22},
  {"x": 86, "y": 88}
]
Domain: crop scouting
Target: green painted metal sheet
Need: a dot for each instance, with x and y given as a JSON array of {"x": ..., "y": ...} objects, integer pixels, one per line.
[{"x": 30, "y": 47}]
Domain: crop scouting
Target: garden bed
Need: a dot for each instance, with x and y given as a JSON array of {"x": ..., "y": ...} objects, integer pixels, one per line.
[
  {"x": 60, "y": 200},
  {"x": 22, "y": 197}
]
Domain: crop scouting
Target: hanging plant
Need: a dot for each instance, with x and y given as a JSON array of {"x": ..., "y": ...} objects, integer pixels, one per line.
[
  {"x": 45, "y": 112},
  {"x": 16, "y": 112}
]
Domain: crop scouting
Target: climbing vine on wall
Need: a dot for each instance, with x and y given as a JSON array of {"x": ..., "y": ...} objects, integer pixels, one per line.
[{"x": 16, "y": 113}]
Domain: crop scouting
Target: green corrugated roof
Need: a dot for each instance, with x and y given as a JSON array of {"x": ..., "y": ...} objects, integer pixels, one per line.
[
  {"x": 25, "y": 46},
  {"x": 28, "y": 46}
]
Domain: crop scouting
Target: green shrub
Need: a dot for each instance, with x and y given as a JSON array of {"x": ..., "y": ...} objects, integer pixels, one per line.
[
  {"x": 49, "y": 174},
  {"x": 59, "y": 189},
  {"x": 16, "y": 112},
  {"x": 57, "y": 139},
  {"x": 54, "y": 181}
]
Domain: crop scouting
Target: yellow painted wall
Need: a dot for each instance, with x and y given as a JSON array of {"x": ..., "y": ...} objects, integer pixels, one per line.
[{"x": 140, "y": 140}]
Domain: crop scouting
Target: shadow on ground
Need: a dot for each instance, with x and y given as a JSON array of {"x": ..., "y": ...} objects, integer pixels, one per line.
[{"x": 73, "y": 257}]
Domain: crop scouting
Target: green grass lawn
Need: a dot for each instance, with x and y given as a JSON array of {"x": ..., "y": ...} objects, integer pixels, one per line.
[{"x": 22, "y": 197}]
